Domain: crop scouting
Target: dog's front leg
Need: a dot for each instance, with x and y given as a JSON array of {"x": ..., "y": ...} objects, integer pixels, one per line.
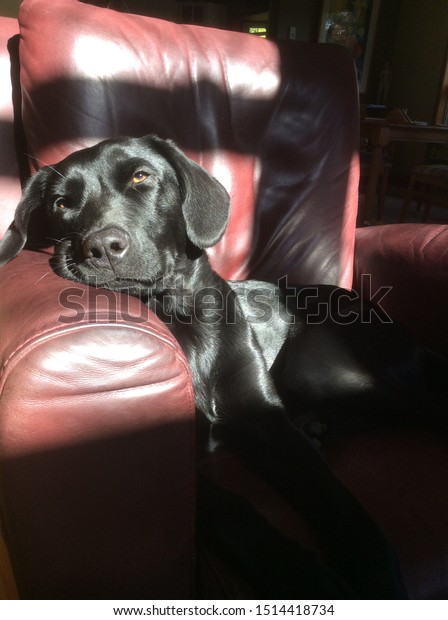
[
  {"x": 272, "y": 564},
  {"x": 356, "y": 546}
]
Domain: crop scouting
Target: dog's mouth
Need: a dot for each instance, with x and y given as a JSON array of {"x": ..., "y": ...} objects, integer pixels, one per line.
[{"x": 111, "y": 277}]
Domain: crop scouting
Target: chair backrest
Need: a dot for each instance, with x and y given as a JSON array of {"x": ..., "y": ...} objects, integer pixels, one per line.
[
  {"x": 9, "y": 170},
  {"x": 276, "y": 124}
]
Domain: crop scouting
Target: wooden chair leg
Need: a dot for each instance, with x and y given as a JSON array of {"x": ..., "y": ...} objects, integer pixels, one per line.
[
  {"x": 382, "y": 191},
  {"x": 426, "y": 210},
  {"x": 408, "y": 199}
]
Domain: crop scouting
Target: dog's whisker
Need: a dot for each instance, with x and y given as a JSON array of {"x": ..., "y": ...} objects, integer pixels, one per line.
[
  {"x": 66, "y": 238},
  {"x": 43, "y": 276},
  {"x": 40, "y": 161}
]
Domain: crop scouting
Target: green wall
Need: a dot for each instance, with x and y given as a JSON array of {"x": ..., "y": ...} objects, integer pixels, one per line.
[{"x": 9, "y": 7}]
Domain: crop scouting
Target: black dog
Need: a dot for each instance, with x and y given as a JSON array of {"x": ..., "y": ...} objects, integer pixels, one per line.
[{"x": 135, "y": 215}]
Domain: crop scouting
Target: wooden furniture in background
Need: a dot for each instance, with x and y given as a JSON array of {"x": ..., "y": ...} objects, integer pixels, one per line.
[
  {"x": 381, "y": 133},
  {"x": 429, "y": 184}
]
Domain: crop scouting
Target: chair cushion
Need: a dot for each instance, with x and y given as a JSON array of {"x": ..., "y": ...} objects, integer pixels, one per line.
[
  {"x": 259, "y": 117},
  {"x": 397, "y": 474}
]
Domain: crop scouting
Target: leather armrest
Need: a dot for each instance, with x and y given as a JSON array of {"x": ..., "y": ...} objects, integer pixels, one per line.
[
  {"x": 97, "y": 451},
  {"x": 411, "y": 259}
]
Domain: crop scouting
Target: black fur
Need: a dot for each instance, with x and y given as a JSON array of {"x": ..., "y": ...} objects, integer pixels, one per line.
[{"x": 135, "y": 215}]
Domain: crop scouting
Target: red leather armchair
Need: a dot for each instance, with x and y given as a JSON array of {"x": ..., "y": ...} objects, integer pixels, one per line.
[{"x": 97, "y": 450}]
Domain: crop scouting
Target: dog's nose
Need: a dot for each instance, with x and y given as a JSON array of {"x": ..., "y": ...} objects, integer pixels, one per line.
[{"x": 106, "y": 247}]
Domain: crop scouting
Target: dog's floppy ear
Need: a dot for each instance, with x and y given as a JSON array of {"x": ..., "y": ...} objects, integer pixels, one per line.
[
  {"x": 206, "y": 203},
  {"x": 15, "y": 237}
]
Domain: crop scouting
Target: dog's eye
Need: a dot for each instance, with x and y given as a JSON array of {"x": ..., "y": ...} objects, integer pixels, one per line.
[
  {"x": 60, "y": 203},
  {"x": 139, "y": 177}
]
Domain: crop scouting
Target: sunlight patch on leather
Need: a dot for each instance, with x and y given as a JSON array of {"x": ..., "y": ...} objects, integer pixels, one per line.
[
  {"x": 6, "y": 113},
  {"x": 101, "y": 58}
]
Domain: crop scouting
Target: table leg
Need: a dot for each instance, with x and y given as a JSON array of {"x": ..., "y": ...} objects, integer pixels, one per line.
[{"x": 372, "y": 183}]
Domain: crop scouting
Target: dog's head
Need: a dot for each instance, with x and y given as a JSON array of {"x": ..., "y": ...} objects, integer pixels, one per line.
[{"x": 122, "y": 213}]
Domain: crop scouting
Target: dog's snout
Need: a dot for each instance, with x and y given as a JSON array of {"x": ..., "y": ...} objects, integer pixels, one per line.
[{"x": 106, "y": 247}]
